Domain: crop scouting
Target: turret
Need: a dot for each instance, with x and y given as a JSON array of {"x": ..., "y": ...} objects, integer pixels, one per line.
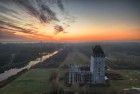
[
  {"x": 97, "y": 66},
  {"x": 97, "y": 51}
]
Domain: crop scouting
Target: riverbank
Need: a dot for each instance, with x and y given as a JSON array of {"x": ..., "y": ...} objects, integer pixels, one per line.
[
  {"x": 10, "y": 79},
  {"x": 34, "y": 81},
  {"x": 12, "y": 74}
]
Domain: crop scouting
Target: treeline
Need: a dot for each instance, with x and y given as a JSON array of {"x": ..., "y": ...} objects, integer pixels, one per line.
[
  {"x": 123, "y": 55},
  {"x": 123, "y": 61},
  {"x": 19, "y": 54}
]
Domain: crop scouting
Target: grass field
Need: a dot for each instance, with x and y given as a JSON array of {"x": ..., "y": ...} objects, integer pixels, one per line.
[
  {"x": 36, "y": 81},
  {"x": 130, "y": 79}
]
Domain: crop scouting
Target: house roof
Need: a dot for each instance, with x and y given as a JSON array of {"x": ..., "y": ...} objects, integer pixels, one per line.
[
  {"x": 85, "y": 68},
  {"x": 98, "y": 52}
]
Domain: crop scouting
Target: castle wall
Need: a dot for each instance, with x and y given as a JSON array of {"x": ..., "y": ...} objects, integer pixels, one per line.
[{"x": 97, "y": 69}]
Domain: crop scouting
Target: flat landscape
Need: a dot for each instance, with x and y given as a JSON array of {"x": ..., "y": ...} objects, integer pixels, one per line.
[
  {"x": 69, "y": 46},
  {"x": 37, "y": 80}
]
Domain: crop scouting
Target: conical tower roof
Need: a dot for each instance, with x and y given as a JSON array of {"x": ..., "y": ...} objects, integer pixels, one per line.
[{"x": 98, "y": 52}]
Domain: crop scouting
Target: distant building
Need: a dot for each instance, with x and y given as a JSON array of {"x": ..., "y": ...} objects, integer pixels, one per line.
[{"x": 91, "y": 74}]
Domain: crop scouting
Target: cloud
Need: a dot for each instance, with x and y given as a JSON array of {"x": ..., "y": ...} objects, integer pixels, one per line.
[
  {"x": 50, "y": 14},
  {"x": 60, "y": 4},
  {"x": 38, "y": 9},
  {"x": 11, "y": 36},
  {"x": 12, "y": 27},
  {"x": 6, "y": 34},
  {"x": 24, "y": 15},
  {"x": 58, "y": 29}
]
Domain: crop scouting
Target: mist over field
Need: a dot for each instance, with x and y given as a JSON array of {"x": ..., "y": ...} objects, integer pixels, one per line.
[{"x": 124, "y": 55}]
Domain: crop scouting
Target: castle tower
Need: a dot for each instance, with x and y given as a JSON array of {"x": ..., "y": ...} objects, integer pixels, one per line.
[{"x": 97, "y": 66}]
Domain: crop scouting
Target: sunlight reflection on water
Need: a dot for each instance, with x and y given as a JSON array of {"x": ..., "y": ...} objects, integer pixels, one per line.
[{"x": 14, "y": 71}]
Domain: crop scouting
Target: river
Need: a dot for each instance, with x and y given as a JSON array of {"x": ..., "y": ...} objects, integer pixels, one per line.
[{"x": 14, "y": 71}]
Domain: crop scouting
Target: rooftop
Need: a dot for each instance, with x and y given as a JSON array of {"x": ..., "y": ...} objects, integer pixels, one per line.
[{"x": 98, "y": 52}]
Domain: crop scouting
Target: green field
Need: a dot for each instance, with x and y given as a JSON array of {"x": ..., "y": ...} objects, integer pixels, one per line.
[
  {"x": 130, "y": 79},
  {"x": 36, "y": 81}
]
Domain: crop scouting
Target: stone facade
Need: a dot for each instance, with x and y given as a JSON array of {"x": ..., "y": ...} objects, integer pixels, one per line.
[{"x": 92, "y": 74}]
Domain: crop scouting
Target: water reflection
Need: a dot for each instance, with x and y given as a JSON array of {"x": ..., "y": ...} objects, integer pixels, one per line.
[{"x": 14, "y": 71}]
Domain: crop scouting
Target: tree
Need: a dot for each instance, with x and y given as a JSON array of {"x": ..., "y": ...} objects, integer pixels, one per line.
[{"x": 55, "y": 87}]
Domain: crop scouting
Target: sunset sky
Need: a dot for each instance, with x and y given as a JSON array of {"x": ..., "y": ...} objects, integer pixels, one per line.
[{"x": 69, "y": 20}]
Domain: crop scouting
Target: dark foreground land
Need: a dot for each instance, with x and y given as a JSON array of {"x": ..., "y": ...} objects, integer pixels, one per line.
[
  {"x": 45, "y": 77},
  {"x": 17, "y": 55}
]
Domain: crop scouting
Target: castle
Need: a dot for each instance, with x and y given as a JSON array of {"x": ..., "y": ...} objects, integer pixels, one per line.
[{"x": 92, "y": 74}]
